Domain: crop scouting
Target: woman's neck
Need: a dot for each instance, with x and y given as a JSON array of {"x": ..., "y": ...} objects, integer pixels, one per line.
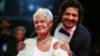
[
  {"x": 44, "y": 36},
  {"x": 44, "y": 42}
]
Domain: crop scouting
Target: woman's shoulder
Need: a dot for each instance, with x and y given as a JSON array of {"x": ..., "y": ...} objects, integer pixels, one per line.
[
  {"x": 55, "y": 40},
  {"x": 30, "y": 40}
]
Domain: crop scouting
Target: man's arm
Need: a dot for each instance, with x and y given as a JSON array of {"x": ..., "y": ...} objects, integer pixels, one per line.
[{"x": 84, "y": 48}]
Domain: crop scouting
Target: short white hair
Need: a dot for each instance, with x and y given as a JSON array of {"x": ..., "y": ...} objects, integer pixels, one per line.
[{"x": 45, "y": 12}]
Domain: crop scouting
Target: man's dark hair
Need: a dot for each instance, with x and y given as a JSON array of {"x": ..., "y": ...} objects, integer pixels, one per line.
[{"x": 71, "y": 3}]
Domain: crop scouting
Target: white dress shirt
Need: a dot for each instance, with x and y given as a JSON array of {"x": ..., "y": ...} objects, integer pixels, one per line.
[{"x": 62, "y": 36}]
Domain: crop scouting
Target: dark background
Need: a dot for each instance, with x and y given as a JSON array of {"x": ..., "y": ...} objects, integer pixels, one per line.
[{"x": 20, "y": 13}]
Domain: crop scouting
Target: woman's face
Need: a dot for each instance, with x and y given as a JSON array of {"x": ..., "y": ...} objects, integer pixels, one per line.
[{"x": 42, "y": 24}]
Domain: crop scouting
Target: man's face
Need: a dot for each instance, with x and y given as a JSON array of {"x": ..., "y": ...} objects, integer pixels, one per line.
[
  {"x": 70, "y": 17},
  {"x": 42, "y": 24}
]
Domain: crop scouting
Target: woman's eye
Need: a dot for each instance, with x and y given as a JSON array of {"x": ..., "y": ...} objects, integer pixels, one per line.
[
  {"x": 42, "y": 21},
  {"x": 36, "y": 22}
]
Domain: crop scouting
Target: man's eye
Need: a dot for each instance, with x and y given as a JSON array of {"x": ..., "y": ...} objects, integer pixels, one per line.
[
  {"x": 67, "y": 14},
  {"x": 74, "y": 15}
]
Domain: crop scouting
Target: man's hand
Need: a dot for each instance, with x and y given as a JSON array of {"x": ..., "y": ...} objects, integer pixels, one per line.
[
  {"x": 57, "y": 45},
  {"x": 66, "y": 47},
  {"x": 63, "y": 46},
  {"x": 21, "y": 46}
]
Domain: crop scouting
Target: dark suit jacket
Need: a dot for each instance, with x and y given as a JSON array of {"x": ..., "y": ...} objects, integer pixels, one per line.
[{"x": 80, "y": 42}]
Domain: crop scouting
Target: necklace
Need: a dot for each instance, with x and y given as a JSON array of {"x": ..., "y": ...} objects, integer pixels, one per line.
[{"x": 45, "y": 41}]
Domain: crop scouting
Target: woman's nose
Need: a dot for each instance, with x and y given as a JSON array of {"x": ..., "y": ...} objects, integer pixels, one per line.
[{"x": 39, "y": 23}]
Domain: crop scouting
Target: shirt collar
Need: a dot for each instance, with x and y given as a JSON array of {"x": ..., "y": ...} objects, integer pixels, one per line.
[{"x": 71, "y": 30}]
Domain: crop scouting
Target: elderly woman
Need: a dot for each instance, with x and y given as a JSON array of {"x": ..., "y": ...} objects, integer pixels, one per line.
[{"x": 43, "y": 44}]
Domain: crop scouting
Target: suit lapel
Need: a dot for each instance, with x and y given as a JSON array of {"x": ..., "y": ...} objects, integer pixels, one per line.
[{"x": 74, "y": 40}]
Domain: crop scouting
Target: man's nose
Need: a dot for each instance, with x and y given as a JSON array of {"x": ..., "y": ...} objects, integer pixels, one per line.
[{"x": 70, "y": 17}]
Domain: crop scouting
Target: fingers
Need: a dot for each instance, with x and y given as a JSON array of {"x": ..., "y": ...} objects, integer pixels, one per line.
[
  {"x": 21, "y": 46},
  {"x": 57, "y": 45},
  {"x": 65, "y": 47},
  {"x": 61, "y": 45}
]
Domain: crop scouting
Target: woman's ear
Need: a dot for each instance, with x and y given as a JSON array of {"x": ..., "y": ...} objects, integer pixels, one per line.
[{"x": 51, "y": 23}]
